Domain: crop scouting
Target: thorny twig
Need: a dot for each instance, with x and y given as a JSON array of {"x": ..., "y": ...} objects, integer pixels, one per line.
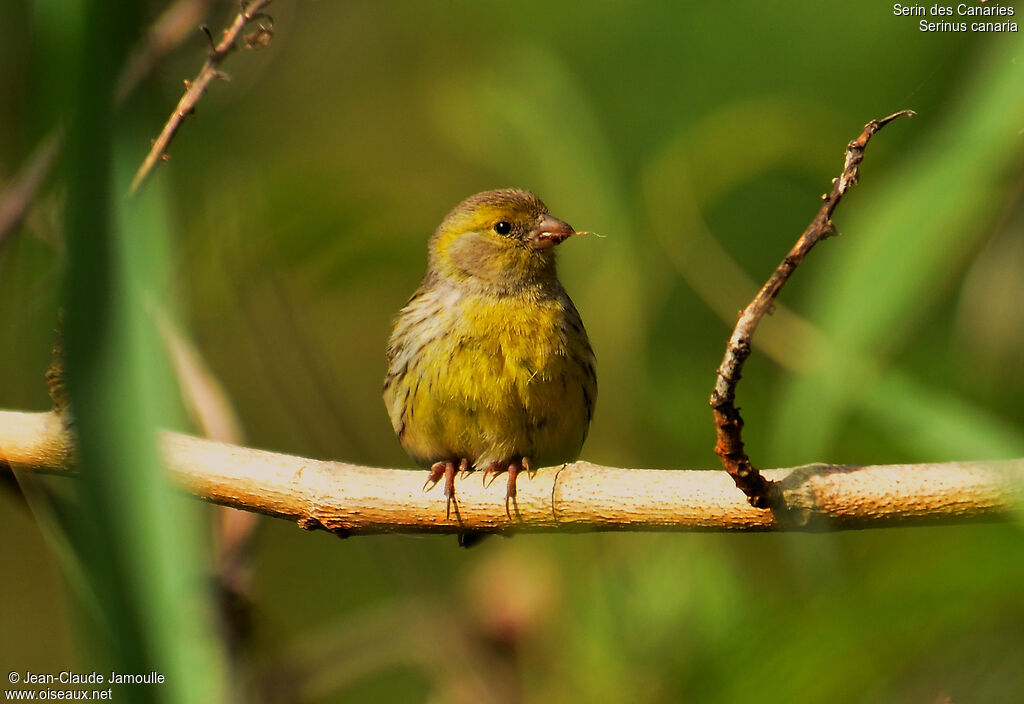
[
  {"x": 163, "y": 36},
  {"x": 760, "y": 492},
  {"x": 195, "y": 88},
  {"x": 170, "y": 28}
]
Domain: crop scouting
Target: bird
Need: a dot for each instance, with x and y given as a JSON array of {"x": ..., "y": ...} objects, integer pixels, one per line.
[{"x": 489, "y": 364}]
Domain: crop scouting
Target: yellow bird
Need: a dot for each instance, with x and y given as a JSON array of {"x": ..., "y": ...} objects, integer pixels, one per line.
[{"x": 489, "y": 366}]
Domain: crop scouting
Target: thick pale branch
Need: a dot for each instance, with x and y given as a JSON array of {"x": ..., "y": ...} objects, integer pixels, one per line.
[{"x": 350, "y": 499}]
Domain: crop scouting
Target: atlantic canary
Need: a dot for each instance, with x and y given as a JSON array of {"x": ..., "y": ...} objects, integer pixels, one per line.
[{"x": 489, "y": 365}]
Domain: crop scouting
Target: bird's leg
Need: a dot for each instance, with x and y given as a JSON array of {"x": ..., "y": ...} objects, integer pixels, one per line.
[
  {"x": 513, "y": 467},
  {"x": 446, "y": 470}
]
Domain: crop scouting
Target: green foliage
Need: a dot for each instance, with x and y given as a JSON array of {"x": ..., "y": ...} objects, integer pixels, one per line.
[
  {"x": 128, "y": 542},
  {"x": 902, "y": 255}
]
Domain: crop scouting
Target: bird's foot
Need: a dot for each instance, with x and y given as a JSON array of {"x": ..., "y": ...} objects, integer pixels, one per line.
[
  {"x": 513, "y": 467},
  {"x": 446, "y": 470}
]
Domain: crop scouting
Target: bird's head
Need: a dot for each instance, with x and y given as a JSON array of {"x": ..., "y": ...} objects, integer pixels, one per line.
[{"x": 503, "y": 238}]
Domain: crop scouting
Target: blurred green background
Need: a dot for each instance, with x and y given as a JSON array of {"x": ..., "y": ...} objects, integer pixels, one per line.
[{"x": 290, "y": 225}]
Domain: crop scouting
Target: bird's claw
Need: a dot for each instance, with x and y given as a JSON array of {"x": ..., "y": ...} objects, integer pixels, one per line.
[
  {"x": 446, "y": 470},
  {"x": 494, "y": 468},
  {"x": 436, "y": 473},
  {"x": 514, "y": 468}
]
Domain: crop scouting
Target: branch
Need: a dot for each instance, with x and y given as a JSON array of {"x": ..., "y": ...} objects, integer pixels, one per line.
[
  {"x": 165, "y": 34},
  {"x": 761, "y": 492},
  {"x": 195, "y": 88},
  {"x": 177, "y": 21},
  {"x": 348, "y": 499},
  {"x": 19, "y": 195}
]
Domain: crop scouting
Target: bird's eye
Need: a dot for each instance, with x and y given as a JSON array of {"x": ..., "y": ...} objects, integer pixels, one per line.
[{"x": 503, "y": 228}]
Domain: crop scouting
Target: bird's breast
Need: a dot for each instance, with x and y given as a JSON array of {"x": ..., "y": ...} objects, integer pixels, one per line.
[{"x": 489, "y": 376}]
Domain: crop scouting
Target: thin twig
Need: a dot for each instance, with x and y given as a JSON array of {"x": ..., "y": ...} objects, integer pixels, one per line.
[
  {"x": 760, "y": 492},
  {"x": 347, "y": 499},
  {"x": 195, "y": 88},
  {"x": 163, "y": 36},
  {"x": 18, "y": 197},
  {"x": 167, "y": 31}
]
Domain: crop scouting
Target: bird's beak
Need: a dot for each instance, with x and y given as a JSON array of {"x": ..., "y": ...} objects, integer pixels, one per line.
[{"x": 549, "y": 231}]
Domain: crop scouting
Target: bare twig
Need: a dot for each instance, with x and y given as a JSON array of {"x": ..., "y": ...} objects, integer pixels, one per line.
[
  {"x": 168, "y": 30},
  {"x": 163, "y": 36},
  {"x": 18, "y": 197},
  {"x": 760, "y": 492},
  {"x": 348, "y": 499},
  {"x": 195, "y": 88}
]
